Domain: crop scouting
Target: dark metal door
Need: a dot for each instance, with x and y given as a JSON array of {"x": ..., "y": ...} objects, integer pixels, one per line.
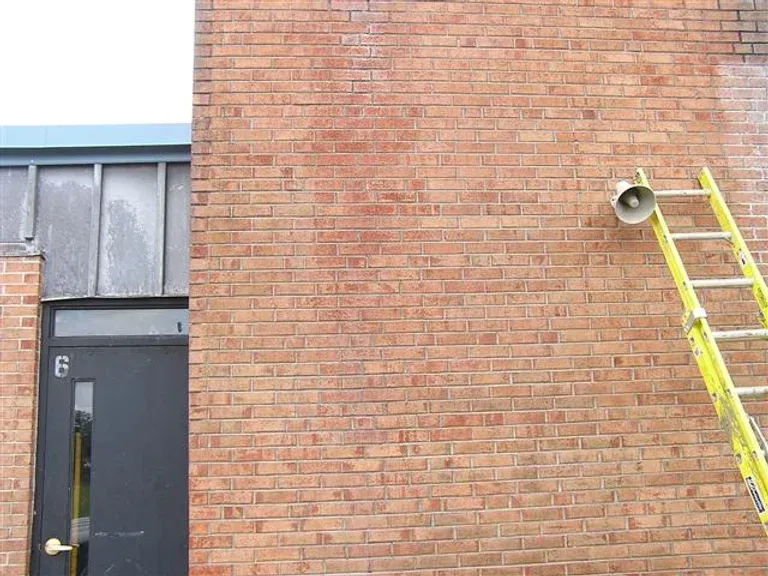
[{"x": 114, "y": 462}]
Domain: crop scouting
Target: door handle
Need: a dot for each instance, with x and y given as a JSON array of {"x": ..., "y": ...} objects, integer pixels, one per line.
[{"x": 53, "y": 546}]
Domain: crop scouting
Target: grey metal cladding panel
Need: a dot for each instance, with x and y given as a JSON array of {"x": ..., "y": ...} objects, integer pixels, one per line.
[
  {"x": 128, "y": 239},
  {"x": 177, "y": 230},
  {"x": 13, "y": 188},
  {"x": 63, "y": 228}
]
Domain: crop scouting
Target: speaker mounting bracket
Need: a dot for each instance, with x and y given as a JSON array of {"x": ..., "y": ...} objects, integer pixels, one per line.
[{"x": 691, "y": 317}]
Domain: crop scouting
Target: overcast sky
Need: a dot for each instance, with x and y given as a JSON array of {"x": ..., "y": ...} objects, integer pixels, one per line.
[{"x": 96, "y": 61}]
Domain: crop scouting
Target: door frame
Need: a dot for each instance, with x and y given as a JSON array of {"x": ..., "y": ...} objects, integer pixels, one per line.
[{"x": 48, "y": 341}]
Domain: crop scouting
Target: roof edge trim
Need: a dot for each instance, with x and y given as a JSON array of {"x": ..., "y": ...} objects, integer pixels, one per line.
[
  {"x": 10, "y": 157},
  {"x": 94, "y": 136}
]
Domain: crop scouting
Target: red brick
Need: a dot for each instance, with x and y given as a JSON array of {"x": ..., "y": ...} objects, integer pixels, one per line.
[
  {"x": 421, "y": 342},
  {"x": 18, "y": 397}
]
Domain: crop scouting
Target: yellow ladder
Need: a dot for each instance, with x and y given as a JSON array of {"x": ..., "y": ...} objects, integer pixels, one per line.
[{"x": 747, "y": 441}]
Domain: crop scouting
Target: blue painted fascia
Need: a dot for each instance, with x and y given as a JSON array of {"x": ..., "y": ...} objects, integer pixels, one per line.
[{"x": 95, "y": 136}]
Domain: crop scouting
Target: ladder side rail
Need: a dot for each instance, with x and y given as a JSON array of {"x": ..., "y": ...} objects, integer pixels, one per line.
[
  {"x": 728, "y": 407},
  {"x": 738, "y": 245},
  {"x": 733, "y": 418}
]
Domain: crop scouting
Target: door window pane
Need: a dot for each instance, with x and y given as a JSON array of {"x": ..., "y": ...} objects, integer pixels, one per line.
[
  {"x": 80, "y": 528},
  {"x": 124, "y": 322}
]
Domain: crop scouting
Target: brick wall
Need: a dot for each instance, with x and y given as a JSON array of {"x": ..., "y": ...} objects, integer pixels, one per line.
[
  {"x": 19, "y": 327},
  {"x": 421, "y": 342}
]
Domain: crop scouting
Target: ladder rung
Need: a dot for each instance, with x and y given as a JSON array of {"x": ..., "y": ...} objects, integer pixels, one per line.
[
  {"x": 752, "y": 391},
  {"x": 755, "y": 334},
  {"x": 722, "y": 283},
  {"x": 701, "y": 236},
  {"x": 674, "y": 193}
]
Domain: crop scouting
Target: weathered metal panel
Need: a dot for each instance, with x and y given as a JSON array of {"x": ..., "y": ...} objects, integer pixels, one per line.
[
  {"x": 13, "y": 190},
  {"x": 63, "y": 228},
  {"x": 116, "y": 230},
  {"x": 177, "y": 230},
  {"x": 128, "y": 240}
]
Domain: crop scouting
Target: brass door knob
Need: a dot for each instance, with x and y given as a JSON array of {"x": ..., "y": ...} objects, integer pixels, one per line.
[{"x": 54, "y": 546}]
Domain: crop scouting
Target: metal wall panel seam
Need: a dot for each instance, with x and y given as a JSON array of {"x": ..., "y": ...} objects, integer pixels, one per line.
[
  {"x": 30, "y": 202},
  {"x": 161, "y": 202},
  {"x": 93, "y": 246}
]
